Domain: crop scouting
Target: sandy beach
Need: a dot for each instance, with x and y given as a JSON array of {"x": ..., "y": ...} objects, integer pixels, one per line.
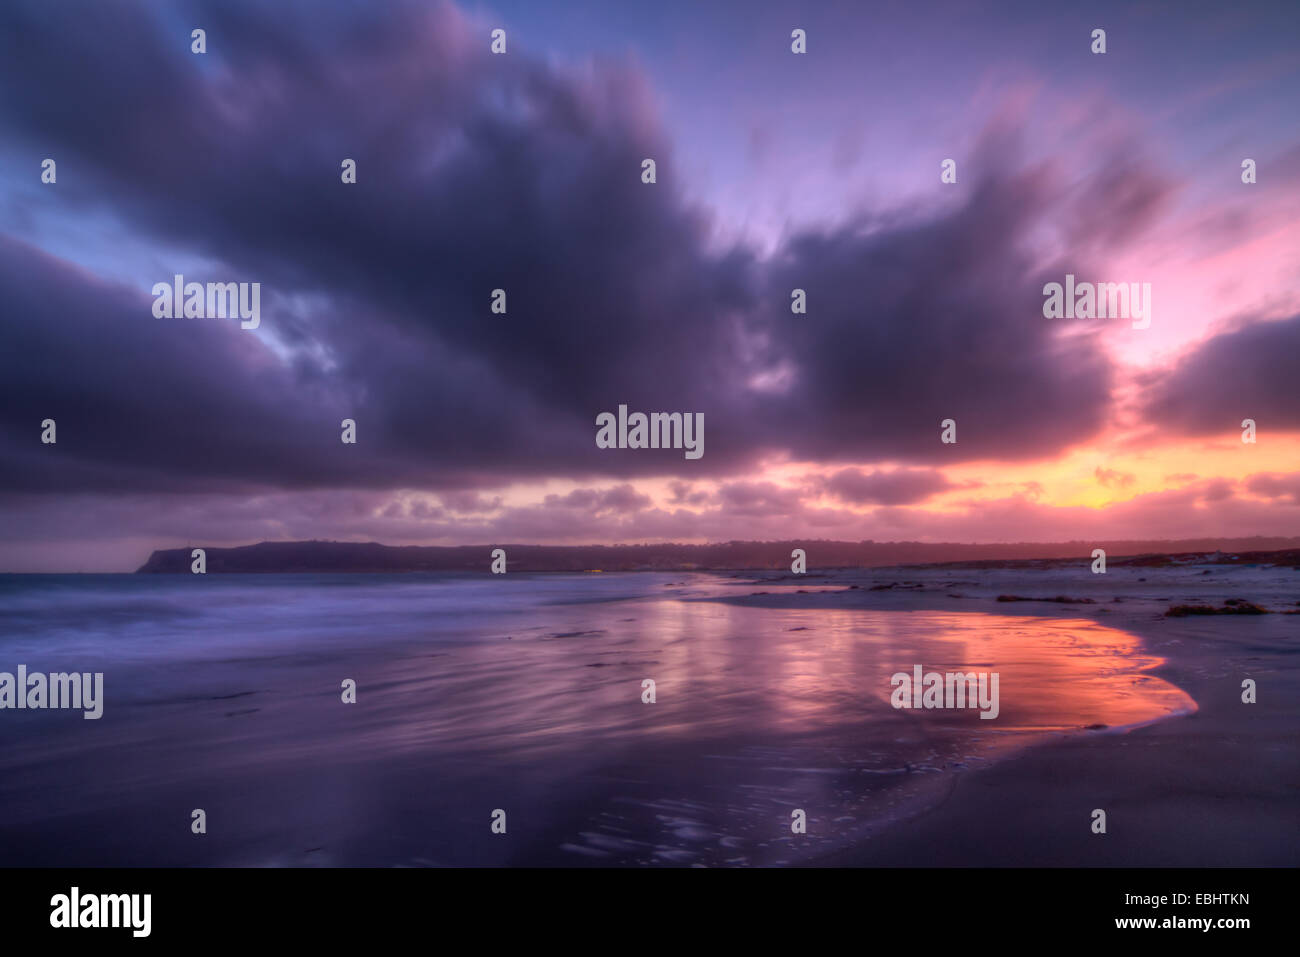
[
  {"x": 1214, "y": 788},
  {"x": 773, "y": 694}
]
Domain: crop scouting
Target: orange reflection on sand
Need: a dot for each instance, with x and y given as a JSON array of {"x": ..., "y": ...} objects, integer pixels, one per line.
[
  {"x": 726, "y": 672},
  {"x": 793, "y": 670}
]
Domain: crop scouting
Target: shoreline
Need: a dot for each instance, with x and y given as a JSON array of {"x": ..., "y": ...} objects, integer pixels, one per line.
[{"x": 1212, "y": 788}]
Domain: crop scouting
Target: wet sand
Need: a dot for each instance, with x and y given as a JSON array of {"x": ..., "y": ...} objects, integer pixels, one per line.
[
  {"x": 525, "y": 694},
  {"x": 1219, "y": 787}
]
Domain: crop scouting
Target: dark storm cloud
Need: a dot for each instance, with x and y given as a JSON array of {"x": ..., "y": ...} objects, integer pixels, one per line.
[
  {"x": 910, "y": 323},
  {"x": 477, "y": 172},
  {"x": 1249, "y": 373},
  {"x": 142, "y": 403}
]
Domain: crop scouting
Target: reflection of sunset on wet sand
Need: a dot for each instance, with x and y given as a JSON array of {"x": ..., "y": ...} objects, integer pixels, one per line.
[
  {"x": 722, "y": 669},
  {"x": 761, "y": 708},
  {"x": 466, "y": 702}
]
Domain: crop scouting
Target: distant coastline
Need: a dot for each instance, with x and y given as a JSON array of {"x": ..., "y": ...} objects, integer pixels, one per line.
[{"x": 375, "y": 558}]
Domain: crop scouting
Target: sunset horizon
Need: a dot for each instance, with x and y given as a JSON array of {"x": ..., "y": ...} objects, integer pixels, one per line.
[{"x": 927, "y": 288}]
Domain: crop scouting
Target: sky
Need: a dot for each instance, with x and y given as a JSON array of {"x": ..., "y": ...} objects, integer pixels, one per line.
[{"x": 522, "y": 171}]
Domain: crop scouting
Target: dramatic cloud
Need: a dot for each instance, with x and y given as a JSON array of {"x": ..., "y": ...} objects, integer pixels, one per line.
[
  {"x": 475, "y": 173},
  {"x": 1248, "y": 373},
  {"x": 522, "y": 172}
]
